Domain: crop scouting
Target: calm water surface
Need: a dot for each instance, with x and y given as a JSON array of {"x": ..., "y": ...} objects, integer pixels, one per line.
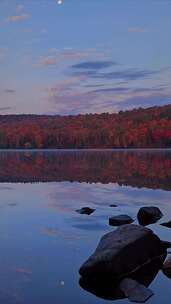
[{"x": 43, "y": 241}]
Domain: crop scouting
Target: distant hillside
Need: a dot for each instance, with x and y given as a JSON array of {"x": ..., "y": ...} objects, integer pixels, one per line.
[{"x": 138, "y": 128}]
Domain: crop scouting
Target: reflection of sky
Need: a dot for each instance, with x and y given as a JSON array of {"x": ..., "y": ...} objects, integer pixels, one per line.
[
  {"x": 44, "y": 241},
  {"x": 84, "y": 56}
]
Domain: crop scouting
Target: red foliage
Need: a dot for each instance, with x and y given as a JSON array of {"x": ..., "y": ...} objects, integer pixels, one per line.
[{"x": 140, "y": 128}]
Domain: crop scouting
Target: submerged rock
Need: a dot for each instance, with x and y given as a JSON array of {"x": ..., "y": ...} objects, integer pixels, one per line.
[
  {"x": 119, "y": 220},
  {"x": 122, "y": 252},
  {"x": 167, "y": 267},
  {"x": 166, "y": 224},
  {"x": 135, "y": 291},
  {"x": 85, "y": 210},
  {"x": 113, "y": 205},
  {"x": 149, "y": 215}
]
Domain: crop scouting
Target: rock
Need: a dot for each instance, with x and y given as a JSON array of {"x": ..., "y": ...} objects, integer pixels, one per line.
[
  {"x": 113, "y": 205},
  {"x": 166, "y": 224},
  {"x": 149, "y": 215},
  {"x": 135, "y": 291},
  {"x": 110, "y": 289},
  {"x": 167, "y": 267},
  {"x": 123, "y": 251},
  {"x": 85, "y": 210},
  {"x": 104, "y": 289},
  {"x": 119, "y": 220}
]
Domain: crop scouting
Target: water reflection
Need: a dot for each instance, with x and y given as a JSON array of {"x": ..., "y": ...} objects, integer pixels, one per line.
[
  {"x": 44, "y": 240},
  {"x": 150, "y": 169}
]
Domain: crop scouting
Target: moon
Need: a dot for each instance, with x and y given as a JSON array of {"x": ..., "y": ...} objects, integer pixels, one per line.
[{"x": 60, "y": 2}]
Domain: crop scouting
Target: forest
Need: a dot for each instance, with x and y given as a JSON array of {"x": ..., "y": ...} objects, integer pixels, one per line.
[{"x": 137, "y": 128}]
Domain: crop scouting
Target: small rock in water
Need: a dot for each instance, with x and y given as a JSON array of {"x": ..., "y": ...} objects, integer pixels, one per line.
[
  {"x": 85, "y": 210},
  {"x": 135, "y": 291},
  {"x": 119, "y": 220},
  {"x": 167, "y": 267},
  {"x": 149, "y": 215},
  {"x": 113, "y": 205},
  {"x": 167, "y": 224}
]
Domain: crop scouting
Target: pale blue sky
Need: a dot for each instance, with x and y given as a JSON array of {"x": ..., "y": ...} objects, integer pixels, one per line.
[{"x": 84, "y": 55}]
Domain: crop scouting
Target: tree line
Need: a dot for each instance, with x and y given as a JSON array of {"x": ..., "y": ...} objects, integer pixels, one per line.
[{"x": 138, "y": 128}]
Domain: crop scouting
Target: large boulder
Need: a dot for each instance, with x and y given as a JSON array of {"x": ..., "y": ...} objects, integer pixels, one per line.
[
  {"x": 149, "y": 215},
  {"x": 119, "y": 220},
  {"x": 123, "y": 251}
]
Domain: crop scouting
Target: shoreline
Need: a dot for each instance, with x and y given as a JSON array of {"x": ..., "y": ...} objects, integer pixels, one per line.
[{"x": 86, "y": 150}]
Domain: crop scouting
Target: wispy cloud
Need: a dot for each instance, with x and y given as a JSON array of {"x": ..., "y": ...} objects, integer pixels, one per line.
[
  {"x": 96, "y": 103},
  {"x": 93, "y": 65},
  {"x": 20, "y": 7},
  {"x": 44, "y": 31},
  {"x": 137, "y": 29},
  {"x": 3, "y": 53},
  {"x": 148, "y": 100},
  {"x": 19, "y": 17},
  {"x": 111, "y": 90},
  {"x": 9, "y": 91},
  {"x": 74, "y": 95},
  {"x": 94, "y": 85},
  {"x": 55, "y": 56},
  {"x": 74, "y": 54},
  {"x": 64, "y": 87},
  {"x": 128, "y": 74},
  {"x": 5, "y": 108},
  {"x": 47, "y": 60}
]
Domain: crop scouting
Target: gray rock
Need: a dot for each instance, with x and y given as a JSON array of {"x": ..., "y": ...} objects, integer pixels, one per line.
[
  {"x": 119, "y": 220},
  {"x": 167, "y": 267},
  {"x": 85, "y": 210},
  {"x": 149, "y": 215},
  {"x": 166, "y": 224},
  {"x": 123, "y": 251},
  {"x": 135, "y": 291}
]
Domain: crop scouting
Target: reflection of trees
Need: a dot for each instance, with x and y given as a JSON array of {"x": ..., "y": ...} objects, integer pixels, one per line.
[{"x": 137, "y": 169}]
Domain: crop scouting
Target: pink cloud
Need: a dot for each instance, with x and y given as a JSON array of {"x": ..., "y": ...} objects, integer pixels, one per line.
[
  {"x": 16, "y": 18},
  {"x": 137, "y": 30},
  {"x": 46, "y": 61}
]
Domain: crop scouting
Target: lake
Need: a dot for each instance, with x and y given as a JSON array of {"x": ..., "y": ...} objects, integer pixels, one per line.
[{"x": 44, "y": 241}]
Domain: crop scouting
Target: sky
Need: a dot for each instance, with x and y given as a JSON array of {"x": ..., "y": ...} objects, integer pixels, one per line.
[{"x": 84, "y": 56}]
